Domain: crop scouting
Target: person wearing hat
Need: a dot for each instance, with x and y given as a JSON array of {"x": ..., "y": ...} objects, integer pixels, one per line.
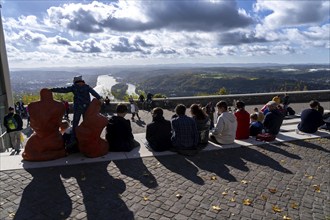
[
  {"x": 81, "y": 99},
  {"x": 273, "y": 119},
  {"x": 13, "y": 123}
]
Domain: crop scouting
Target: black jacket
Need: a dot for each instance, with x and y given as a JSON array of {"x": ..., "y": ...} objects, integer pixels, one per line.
[
  {"x": 158, "y": 134},
  {"x": 273, "y": 121},
  {"x": 119, "y": 134},
  {"x": 18, "y": 120},
  {"x": 311, "y": 119}
]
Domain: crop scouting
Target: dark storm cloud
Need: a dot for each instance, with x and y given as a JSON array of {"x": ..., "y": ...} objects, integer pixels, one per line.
[
  {"x": 238, "y": 38},
  {"x": 181, "y": 15}
]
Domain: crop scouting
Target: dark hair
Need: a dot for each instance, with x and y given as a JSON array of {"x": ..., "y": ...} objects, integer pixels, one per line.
[
  {"x": 10, "y": 108},
  {"x": 121, "y": 108},
  {"x": 314, "y": 103},
  {"x": 198, "y": 112},
  {"x": 158, "y": 111},
  {"x": 180, "y": 109},
  {"x": 240, "y": 104},
  {"x": 256, "y": 109},
  {"x": 222, "y": 104}
]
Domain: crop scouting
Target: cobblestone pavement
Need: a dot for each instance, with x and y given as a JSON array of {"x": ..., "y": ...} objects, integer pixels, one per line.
[{"x": 273, "y": 181}]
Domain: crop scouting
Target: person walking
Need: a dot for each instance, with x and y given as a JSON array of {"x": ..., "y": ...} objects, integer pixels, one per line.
[{"x": 14, "y": 123}]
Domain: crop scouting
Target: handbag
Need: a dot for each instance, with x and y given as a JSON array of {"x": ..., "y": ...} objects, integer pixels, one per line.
[{"x": 265, "y": 137}]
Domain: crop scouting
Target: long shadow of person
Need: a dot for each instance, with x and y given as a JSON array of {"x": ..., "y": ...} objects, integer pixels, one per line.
[
  {"x": 101, "y": 192},
  {"x": 179, "y": 165},
  {"x": 273, "y": 148},
  {"x": 257, "y": 157},
  {"x": 306, "y": 144},
  {"x": 136, "y": 169},
  {"x": 215, "y": 162},
  {"x": 45, "y": 196}
]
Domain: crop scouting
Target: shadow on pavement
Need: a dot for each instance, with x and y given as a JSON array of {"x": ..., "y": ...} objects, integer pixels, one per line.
[
  {"x": 306, "y": 144},
  {"x": 46, "y": 197},
  {"x": 273, "y": 148},
  {"x": 178, "y": 164},
  {"x": 136, "y": 169}
]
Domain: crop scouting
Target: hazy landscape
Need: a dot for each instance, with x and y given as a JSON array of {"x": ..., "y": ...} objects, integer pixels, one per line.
[{"x": 181, "y": 80}]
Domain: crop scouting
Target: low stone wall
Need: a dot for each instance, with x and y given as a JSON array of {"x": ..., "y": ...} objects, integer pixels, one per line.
[{"x": 249, "y": 99}]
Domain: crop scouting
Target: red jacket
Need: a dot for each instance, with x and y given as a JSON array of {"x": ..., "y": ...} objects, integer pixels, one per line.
[{"x": 243, "y": 124}]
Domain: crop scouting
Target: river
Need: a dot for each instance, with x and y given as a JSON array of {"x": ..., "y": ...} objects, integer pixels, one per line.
[{"x": 104, "y": 84}]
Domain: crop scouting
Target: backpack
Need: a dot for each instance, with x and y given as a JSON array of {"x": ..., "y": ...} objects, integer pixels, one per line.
[{"x": 12, "y": 123}]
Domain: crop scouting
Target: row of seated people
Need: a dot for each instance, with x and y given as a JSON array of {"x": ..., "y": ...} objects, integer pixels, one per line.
[{"x": 188, "y": 135}]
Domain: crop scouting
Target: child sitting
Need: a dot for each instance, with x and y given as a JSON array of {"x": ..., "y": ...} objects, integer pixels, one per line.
[{"x": 255, "y": 125}]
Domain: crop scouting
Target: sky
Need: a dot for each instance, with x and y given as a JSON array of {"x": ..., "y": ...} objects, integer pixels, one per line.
[{"x": 130, "y": 32}]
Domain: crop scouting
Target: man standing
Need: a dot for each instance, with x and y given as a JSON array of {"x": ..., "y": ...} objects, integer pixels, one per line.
[
  {"x": 311, "y": 118},
  {"x": 13, "y": 123},
  {"x": 225, "y": 128}
]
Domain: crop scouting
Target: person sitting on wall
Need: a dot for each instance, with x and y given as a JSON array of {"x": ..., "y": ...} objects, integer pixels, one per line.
[
  {"x": 184, "y": 132},
  {"x": 119, "y": 131},
  {"x": 255, "y": 126},
  {"x": 243, "y": 121},
  {"x": 261, "y": 115},
  {"x": 158, "y": 132},
  {"x": 273, "y": 119},
  {"x": 225, "y": 128},
  {"x": 311, "y": 119},
  {"x": 203, "y": 124},
  {"x": 107, "y": 100}
]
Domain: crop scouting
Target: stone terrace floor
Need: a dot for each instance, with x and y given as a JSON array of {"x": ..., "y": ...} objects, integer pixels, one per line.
[{"x": 286, "y": 180}]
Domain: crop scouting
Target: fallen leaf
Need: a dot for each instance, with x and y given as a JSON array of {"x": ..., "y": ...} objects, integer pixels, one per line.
[
  {"x": 317, "y": 188},
  {"x": 263, "y": 197},
  {"x": 213, "y": 177},
  {"x": 272, "y": 190},
  {"x": 247, "y": 202},
  {"x": 146, "y": 174},
  {"x": 2, "y": 203},
  {"x": 310, "y": 177},
  {"x": 235, "y": 192},
  {"x": 11, "y": 215},
  {"x": 179, "y": 196},
  {"x": 276, "y": 208},
  {"x": 294, "y": 205},
  {"x": 282, "y": 161},
  {"x": 216, "y": 208},
  {"x": 145, "y": 198},
  {"x": 244, "y": 181},
  {"x": 224, "y": 193},
  {"x": 285, "y": 217},
  {"x": 232, "y": 200}
]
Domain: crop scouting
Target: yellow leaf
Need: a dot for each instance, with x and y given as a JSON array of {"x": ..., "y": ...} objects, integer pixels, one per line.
[
  {"x": 247, "y": 202},
  {"x": 179, "y": 196},
  {"x": 276, "y": 208},
  {"x": 272, "y": 190},
  {"x": 286, "y": 217},
  {"x": 244, "y": 181},
  {"x": 213, "y": 177},
  {"x": 216, "y": 208},
  {"x": 11, "y": 215},
  {"x": 224, "y": 193},
  {"x": 264, "y": 197},
  {"x": 232, "y": 200},
  {"x": 317, "y": 188},
  {"x": 282, "y": 161},
  {"x": 145, "y": 198},
  {"x": 294, "y": 205},
  {"x": 310, "y": 177}
]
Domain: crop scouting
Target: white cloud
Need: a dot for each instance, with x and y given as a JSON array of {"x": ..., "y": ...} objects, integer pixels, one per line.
[{"x": 293, "y": 13}]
